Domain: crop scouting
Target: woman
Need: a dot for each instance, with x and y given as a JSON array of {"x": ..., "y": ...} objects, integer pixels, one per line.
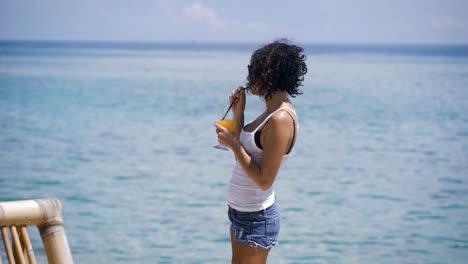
[{"x": 275, "y": 72}]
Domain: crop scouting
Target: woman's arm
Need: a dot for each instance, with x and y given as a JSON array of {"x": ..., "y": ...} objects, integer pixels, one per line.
[{"x": 276, "y": 137}]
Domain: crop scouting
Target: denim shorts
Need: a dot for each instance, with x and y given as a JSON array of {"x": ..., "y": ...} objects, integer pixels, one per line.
[{"x": 257, "y": 229}]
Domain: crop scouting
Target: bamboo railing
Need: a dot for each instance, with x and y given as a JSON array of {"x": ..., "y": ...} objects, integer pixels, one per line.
[{"x": 46, "y": 214}]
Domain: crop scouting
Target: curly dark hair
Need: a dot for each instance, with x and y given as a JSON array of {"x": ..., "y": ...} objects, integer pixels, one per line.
[{"x": 278, "y": 66}]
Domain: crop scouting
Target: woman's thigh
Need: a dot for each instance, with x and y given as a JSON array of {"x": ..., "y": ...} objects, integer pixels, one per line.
[{"x": 242, "y": 253}]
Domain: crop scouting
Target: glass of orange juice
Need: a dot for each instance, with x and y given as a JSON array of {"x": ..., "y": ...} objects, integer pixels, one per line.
[{"x": 230, "y": 124}]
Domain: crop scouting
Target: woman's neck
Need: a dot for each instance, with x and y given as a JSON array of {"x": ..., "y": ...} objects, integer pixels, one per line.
[{"x": 275, "y": 102}]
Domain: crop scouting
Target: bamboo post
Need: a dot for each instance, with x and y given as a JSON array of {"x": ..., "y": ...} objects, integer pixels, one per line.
[
  {"x": 17, "y": 249},
  {"x": 53, "y": 233},
  {"x": 23, "y": 248},
  {"x": 46, "y": 214},
  {"x": 6, "y": 243},
  {"x": 27, "y": 245}
]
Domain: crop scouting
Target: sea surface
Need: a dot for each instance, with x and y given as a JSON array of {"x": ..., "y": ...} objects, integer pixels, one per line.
[{"x": 122, "y": 134}]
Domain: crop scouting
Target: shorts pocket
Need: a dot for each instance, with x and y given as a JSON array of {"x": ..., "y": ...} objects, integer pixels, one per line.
[
  {"x": 272, "y": 228},
  {"x": 258, "y": 231}
]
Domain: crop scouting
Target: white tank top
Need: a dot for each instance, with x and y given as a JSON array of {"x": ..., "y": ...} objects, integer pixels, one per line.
[{"x": 243, "y": 194}]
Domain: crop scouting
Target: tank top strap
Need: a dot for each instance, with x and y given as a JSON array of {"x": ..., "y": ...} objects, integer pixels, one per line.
[
  {"x": 270, "y": 115},
  {"x": 291, "y": 111}
]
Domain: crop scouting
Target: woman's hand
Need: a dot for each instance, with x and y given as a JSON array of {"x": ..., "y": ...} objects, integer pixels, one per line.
[
  {"x": 239, "y": 105},
  {"x": 225, "y": 137}
]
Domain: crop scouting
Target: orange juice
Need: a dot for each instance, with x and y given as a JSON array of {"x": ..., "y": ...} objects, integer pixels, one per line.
[{"x": 230, "y": 125}]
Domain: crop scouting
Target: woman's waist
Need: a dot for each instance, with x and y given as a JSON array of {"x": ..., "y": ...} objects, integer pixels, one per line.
[
  {"x": 270, "y": 210},
  {"x": 250, "y": 201},
  {"x": 248, "y": 197}
]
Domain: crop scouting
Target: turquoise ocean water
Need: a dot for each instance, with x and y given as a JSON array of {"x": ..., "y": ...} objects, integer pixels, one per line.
[{"x": 122, "y": 134}]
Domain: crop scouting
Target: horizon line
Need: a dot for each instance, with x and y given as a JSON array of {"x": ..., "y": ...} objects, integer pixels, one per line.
[{"x": 229, "y": 43}]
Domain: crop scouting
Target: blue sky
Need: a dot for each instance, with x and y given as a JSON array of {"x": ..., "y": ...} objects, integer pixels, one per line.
[{"x": 314, "y": 21}]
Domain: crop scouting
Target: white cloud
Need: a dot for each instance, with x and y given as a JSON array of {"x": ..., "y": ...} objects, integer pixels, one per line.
[
  {"x": 203, "y": 14},
  {"x": 197, "y": 12}
]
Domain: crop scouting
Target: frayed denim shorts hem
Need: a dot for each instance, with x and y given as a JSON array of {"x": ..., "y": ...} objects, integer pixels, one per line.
[{"x": 258, "y": 229}]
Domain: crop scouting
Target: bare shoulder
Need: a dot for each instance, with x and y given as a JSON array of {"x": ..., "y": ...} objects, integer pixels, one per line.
[
  {"x": 282, "y": 119},
  {"x": 283, "y": 116}
]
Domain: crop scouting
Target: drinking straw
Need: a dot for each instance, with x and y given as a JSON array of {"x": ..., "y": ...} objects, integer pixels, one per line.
[{"x": 233, "y": 101}]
